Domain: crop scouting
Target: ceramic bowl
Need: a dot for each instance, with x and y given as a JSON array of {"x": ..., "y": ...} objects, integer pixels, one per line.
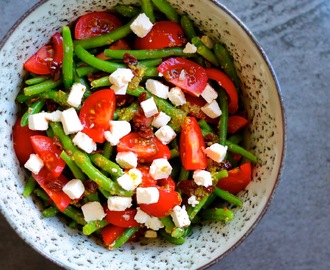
[{"x": 265, "y": 137}]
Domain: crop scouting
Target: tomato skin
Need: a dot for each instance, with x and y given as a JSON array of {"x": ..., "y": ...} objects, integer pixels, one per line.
[
  {"x": 235, "y": 123},
  {"x": 192, "y": 145},
  {"x": 163, "y": 152},
  {"x": 49, "y": 152},
  {"x": 167, "y": 183},
  {"x": 195, "y": 79},
  {"x": 96, "y": 113},
  {"x": 94, "y": 24},
  {"x": 110, "y": 233},
  {"x": 21, "y": 140},
  {"x": 238, "y": 178},
  {"x": 163, "y": 34},
  {"x": 147, "y": 179},
  {"x": 123, "y": 218}
]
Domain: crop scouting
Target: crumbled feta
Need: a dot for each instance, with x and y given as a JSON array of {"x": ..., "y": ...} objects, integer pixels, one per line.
[
  {"x": 149, "y": 107},
  {"x": 70, "y": 121},
  {"x": 76, "y": 94},
  {"x": 165, "y": 134},
  {"x": 34, "y": 163},
  {"x": 141, "y": 216},
  {"x": 119, "y": 203},
  {"x": 180, "y": 216},
  {"x": 209, "y": 94},
  {"x": 119, "y": 90},
  {"x": 157, "y": 88},
  {"x": 190, "y": 48},
  {"x": 93, "y": 211},
  {"x": 160, "y": 168},
  {"x": 142, "y": 25},
  {"x": 202, "y": 178},
  {"x": 74, "y": 189},
  {"x": 38, "y": 121},
  {"x": 216, "y": 152},
  {"x": 54, "y": 116},
  {"x": 182, "y": 75},
  {"x": 121, "y": 77},
  {"x": 118, "y": 129},
  {"x": 212, "y": 109},
  {"x": 208, "y": 42},
  {"x": 147, "y": 195},
  {"x": 150, "y": 234},
  {"x": 84, "y": 142},
  {"x": 130, "y": 180},
  {"x": 161, "y": 119},
  {"x": 126, "y": 160},
  {"x": 176, "y": 96},
  {"x": 193, "y": 201},
  {"x": 153, "y": 223}
]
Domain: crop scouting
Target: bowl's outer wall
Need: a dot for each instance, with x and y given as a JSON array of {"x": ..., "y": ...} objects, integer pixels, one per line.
[{"x": 266, "y": 139}]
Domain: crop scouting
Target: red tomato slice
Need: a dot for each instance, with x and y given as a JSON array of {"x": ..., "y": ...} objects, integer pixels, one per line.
[
  {"x": 192, "y": 145},
  {"x": 96, "y": 113},
  {"x": 147, "y": 179},
  {"x": 163, "y": 152},
  {"x": 162, "y": 35},
  {"x": 122, "y": 218},
  {"x": 186, "y": 74},
  {"x": 95, "y": 24},
  {"x": 49, "y": 152},
  {"x": 133, "y": 142},
  {"x": 167, "y": 183},
  {"x": 238, "y": 178},
  {"x": 168, "y": 199},
  {"x": 235, "y": 123},
  {"x": 21, "y": 139},
  {"x": 43, "y": 178},
  {"x": 110, "y": 233}
]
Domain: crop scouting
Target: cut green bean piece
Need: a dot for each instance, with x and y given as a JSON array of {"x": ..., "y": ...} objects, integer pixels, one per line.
[
  {"x": 93, "y": 226},
  {"x": 107, "y": 165},
  {"x": 41, "y": 87},
  {"x": 85, "y": 70},
  {"x": 188, "y": 27},
  {"x": 127, "y": 234},
  {"x": 75, "y": 215},
  {"x": 223, "y": 121},
  {"x": 227, "y": 196},
  {"x": 148, "y": 9},
  {"x": 59, "y": 97},
  {"x": 29, "y": 187},
  {"x": 67, "y": 66},
  {"x": 167, "y": 9},
  {"x": 170, "y": 227},
  {"x": 36, "y": 80},
  {"x": 240, "y": 150},
  {"x": 51, "y": 211},
  {"x": 76, "y": 171},
  {"x": 101, "y": 82},
  {"x": 173, "y": 240},
  {"x": 127, "y": 11},
  {"x": 205, "y": 51},
  {"x": 36, "y": 107},
  {"x": 219, "y": 214}
]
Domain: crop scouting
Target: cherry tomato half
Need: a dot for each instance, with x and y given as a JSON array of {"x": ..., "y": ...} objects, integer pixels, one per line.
[
  {"x": 162, "y": 35},
  {"x": 163, "y": 152},
  {"x": 110, "y": 233},
  {"x": 123, "y": 218},
  {"x": 235, "y": 123},
  {"x": 95, "y": 24},
  {"x": 186, "y": 74}
]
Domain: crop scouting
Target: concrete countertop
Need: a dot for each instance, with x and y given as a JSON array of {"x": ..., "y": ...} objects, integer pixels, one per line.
[{"x": 294, "y": 234}]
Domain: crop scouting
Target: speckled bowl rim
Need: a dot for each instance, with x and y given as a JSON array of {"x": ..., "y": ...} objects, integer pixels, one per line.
[{"x": 283, "y": 116}]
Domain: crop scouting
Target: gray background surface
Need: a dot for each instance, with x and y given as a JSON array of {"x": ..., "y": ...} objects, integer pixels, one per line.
[{"x": 294, "y": 233}]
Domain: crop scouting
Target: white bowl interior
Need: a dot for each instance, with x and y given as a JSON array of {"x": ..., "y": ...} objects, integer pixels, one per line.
[{"x": 266, "y": 139}]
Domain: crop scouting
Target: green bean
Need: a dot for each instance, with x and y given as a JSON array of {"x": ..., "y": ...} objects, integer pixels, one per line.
[
  {"x": 194, "y": 210},
  {"x": 81, "y": 80},
  {"x": 59, "y": 97},
  {"x": 184, "y": 174},
  {"x": 127, "y": 234},
  {"x": 229, "y": 197},
  {"x": 101, "y": 82},
  {"x": 205, "y": 51},
  {"x": 167, "y": 9},
  {"x": 223, "y": 121},
  {"x": 170, "y": 227},
  {"x": 76, "y": 171},
  {"x": 188, "y": 27},
  {"x": 219, "y": 214},
  {"x": 29, "y": 187},
  {"x": 127, "y": 11},
  {"x": 42, "y": 195},
  {"x": 75, "y": 215},
  {"x": 174, "y": 153},
  {"x": 42, "y": 87},
  {"x": 36, "y": 107},
  {"x": 65, "y": 139},
  {"x": 173, "y": 240},
  {"x": 147, "y": 8},
  {"x": 151, "y": 62},
  {"x": 85, "y": 70},
  {"x": 240, "y": 150},
  {"x": 206, "y": 127},
  {"x": 93, "y": 226},
  {"x": 51, "y": 211},
  {"x": 127, "y": 113},
  {"x": 107, "y": 165},
  {"x": 37, "y": 80},
  {"x": 67, "y": 65},
  {"x": 236, "y": 138}
]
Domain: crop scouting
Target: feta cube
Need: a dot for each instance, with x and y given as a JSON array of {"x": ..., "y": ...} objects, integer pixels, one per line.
[
  {"x": 93, "y": 211},
  {"x": 190, "y": 48},
  {"x": 74, "y": 189},
  {"x": 70, "y": 121},
  {"x": 180, "y": 217},
  {"x": 121, "y": 76},
  {"x": 84, "y": 142},
  {"x": 202, "y": 178},
  {"x": 118, "y": 203},
  {"x": 165, "y": 134},
  {"x": 157, "y": 88},
  {"x": 209, "y": 94},
  {"x": 160, "y": 168},
  {"x": 76, "y": 94},
  {"x": 150, "y": 234},
  {"x": 193, "y": 201},
  {"x": 216, "y": 152},
  {"x": 147, "y": 195},
  {"x": 161, "y": 119},
  {"x": 142, "y": 25},
  {"x": 212, "y": 109},
  {"x": 34, "y": 163},
  {"x": 141, "y": 216},
  {"x": 126, "y": 160},
  {"x": 130, "y": 180},
  {"x": 149, "y": 107},
  {"x": 38, "y": 121},
  {"x": 153, "y": 223},
  {"x": 111, "y": 138},
  {"x": 118, "y": 129},
  {"x": 119, "y": 90},
  {"x": 208, "y": 42},
  {"x": 176, "y": 96},
  {"x": 54, "y": 116}
]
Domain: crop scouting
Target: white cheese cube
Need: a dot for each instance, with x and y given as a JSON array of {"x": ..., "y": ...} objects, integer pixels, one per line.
[
  {"x": 202, "y": 178},
  {"x": 54, "y": 116},
  {"x": 119, "y": 90},
  {"x": 157, "y": 88},
  {"x": 150, "y": 234},
  {"x": 93, "y": 211},
  {"x": 216, "y": 152},
  {"x": 212, "y": 109},
  {"x": 141, "y": 216},
  {"x": 84, "y": 142},
  {"x": 161, "y": 119},
  {"x": 130, "y": 180},
  {"x": 209, "y": 94},
  {"x": 38, "y": 121},
  {"x": 118, "y": 203},
  {"x": 76, "y": 94},
  {"x": 149, "y": 107},
  {"x": 190, "y": 48},
  {"x": 193, "y": 201},
  {"x": 180, "y": 217},
  {"x": 121, "y": 77},
  {"x": 74, "y": 189},
  {"x": 34, "y": 163},
  {"x": 141, "y": 26},
  {"x": 126, "y": 160},
  {"x": 120, "y": 128},
  {"x": 153, "y": 223},
  {"x": 70, "y": 121},
  {"x": 147, "y": 195},
  {"x": 165, "y": 134},
  {"x": 113, "y": 140},
  {"x": 160, "y": 168},
  {"x": 176, "y": 96},
  {"x": 208, "y": 42}
]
